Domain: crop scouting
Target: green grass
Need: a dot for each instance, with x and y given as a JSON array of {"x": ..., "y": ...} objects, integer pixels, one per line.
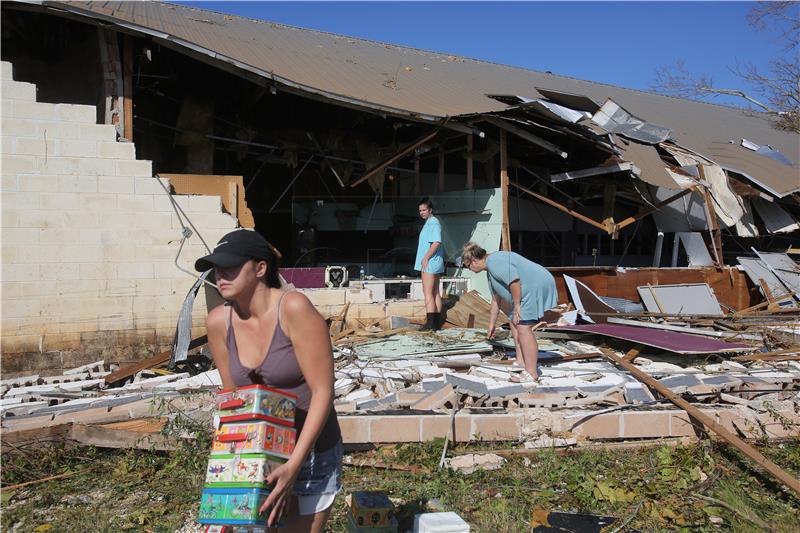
[{"x": 159, "y": 491}]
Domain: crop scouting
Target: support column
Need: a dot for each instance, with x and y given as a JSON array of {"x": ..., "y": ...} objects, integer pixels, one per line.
[
  {"x": 505, "y": 236},
  {"x": 713, "y": 224},
  {"x": 127, "y": 87},
  {"x": 470, "y": 181},
  {"x": 112, "y": 84},
  {"x": 609, "y": 198}
]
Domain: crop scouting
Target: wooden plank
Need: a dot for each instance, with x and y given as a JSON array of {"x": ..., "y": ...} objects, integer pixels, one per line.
[
  {"x": 595, "y": 171},
  {"x": 127, "y": 86},
  {"x": 643, "y": 213},
  {"x": 552, "y": 203},
  {"x": 159, "y": 359},
  {"x": 523, "y": 134},
  {"x": 505, "y": 236},
  {"x": 35, "y": 436},
  {"x": 696, "y": 414},
  {"x": 103, "y": 437},
  {"x": 711, "y": 218},
  {"x": 405, "y": 151}
]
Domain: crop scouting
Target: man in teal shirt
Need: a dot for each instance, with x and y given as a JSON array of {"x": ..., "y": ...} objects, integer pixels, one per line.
[{"x": 430, "y": 263}]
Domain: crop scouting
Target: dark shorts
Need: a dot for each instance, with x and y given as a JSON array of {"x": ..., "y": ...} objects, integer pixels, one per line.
[
  {"x": 321, "y": 473},
  {"x": 531, "y": 322}
]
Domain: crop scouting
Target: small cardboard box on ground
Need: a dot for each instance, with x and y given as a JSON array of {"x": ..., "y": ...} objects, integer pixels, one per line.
[{"x": 371, "y": 512}]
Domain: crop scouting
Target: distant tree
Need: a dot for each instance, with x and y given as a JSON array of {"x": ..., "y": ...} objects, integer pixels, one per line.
[{"x": 775, "y": 91}]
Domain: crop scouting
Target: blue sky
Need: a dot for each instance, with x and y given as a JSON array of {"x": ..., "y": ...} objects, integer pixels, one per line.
[{"x": 621, "y": 43}]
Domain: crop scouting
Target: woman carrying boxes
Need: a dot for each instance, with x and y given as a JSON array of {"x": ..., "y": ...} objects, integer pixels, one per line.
[{"x": 277, "y": 340}]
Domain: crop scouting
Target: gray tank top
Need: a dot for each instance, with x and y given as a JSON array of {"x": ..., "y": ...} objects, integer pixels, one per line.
[{"x": 280, "y": 370}]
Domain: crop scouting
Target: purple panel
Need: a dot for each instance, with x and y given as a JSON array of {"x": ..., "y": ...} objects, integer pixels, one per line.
[
  {"x": 673, "y": 341},
  {"x": 305, "y": 278}
]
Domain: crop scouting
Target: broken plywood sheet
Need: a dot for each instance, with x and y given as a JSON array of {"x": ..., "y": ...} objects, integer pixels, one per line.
[
  {"x": 444, "y": 342},
  {"x": 229, "y": 188},
  {"x": 472, "y": 303},
  {"x": 680, "y": 299},
  {"x": 648, "y": 165},
  {"x": 666, "y": 340}
]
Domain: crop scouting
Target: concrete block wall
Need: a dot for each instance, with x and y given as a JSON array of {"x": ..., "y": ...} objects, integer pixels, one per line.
[{"x": 88, "y": 239}]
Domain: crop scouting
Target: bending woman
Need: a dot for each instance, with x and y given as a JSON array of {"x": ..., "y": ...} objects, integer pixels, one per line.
[
  {"x": 430, "y": 263},
  {"x": 524, "y": 285},
  {"x": 265, "y": 336}
]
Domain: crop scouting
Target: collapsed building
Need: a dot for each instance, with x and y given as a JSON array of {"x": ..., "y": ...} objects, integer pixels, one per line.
[{"x": 135, "y": 134}]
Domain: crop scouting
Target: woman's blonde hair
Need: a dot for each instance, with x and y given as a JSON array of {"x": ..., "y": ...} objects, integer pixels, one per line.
[{"x": 471, "y": 251}]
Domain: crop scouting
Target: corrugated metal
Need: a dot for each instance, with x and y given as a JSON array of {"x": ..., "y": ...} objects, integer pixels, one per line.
[{"x": 432, "y": 84}]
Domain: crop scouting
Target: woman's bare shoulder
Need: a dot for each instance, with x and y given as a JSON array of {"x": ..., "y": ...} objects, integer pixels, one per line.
[
  {"x": 295, "y": 302},
  {"x": 216, "y": 317}
]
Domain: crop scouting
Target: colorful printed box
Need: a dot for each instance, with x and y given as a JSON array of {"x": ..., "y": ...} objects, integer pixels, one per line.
[
  {"x": 256, "y": 402},
  {"x": 371, "y": 509},
  {"x": 254, "y": 437},
  {"x": 240, "y": 470},
  {"x": 353, "y": 528},
  {"x": 232, "y": 506}
]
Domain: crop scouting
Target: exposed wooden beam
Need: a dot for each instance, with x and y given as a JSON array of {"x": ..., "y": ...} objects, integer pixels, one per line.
[
  {"x": 127, "y": 86},
  {"x": 528, "y": 136},
  {"x": 560, "y": 207},
  {"x": 405, "y": 151},
  {"x": 641, "y": 214},
  {"x": 505, "y": 236},
  {"x": 696, "y": 414},
  {"x": 595, "y": 171},
  {"x": 163, "y": 357}
]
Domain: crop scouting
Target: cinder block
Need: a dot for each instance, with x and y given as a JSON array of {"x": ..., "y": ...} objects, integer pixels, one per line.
[
  {"x": 16, "y": 127},
  {"x": 326, "y": 297},
  {"x": 9, "y": 182},
  {"x": 6, "y": 71},
  {"x": 28, "y": 236},
  {"x": 99, "y": 202},
  {"x": 495, "y": 427},
  {"x": 19, "y": 254},
  {"x": 135, "y": 270},
  {"x": 59, "y": 271},
  {"x": 60, "y": 201},
  {"x": 57, "y": 130},
  {"x": 32, "y": 146},
  {"x": 97, "y": 167},
  {"x": 395, "y": 429},
  {"x": 144, "y": 185},
  {"x": 86, "y": 114},
  {"x": 33, "y": 110},
  {"x": 636, "y": 425},
  {"x": 437, "y": 399},
  {"x": 20, "y": 343},
  {"x": 119, "y": 185},
  {"x": 58, "y": 165},
  {"x": 18, "y": 90},
  {"x": 205, "y": 204},
  {"x": 406, "y": 308},
  {"x": 36, "y": 182},
  {"x": 606, "y": 426},
  {"x": 77, "y": 183},
  {"x": 81, "y": 219},
  {"x": 140, "y": 202},
  {"x": 359, "y": 296},
  {"x": 53, "y": 235},
  {"x": 97, "y": 132},
  {"x": 355, "y": 429},
  {"x": 98, "y": 271},
  {"x": 116, "y": 150},
  {"x": 143, "y": 169},
  {"x": 18, "y": 164},
  {"x": 76, "y": 148},
  {"x": 20, "y": 200},
  {"x": 10, "y": 219},
  {"x": 374, "y": 311}
]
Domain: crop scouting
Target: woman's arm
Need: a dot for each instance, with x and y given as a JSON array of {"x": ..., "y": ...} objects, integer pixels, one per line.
[
  {"x": 308, "y": 332},
  {"x": 217, "y": 331}
]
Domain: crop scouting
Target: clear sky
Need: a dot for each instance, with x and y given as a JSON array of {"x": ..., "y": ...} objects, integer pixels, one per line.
[{"x": 621, "y": 43}]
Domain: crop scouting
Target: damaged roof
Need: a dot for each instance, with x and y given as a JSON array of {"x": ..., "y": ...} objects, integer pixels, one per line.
[{"x": 431, "y": 85}]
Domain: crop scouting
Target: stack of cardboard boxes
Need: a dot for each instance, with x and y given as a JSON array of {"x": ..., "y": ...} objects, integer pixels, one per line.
[{"x": 255, "y": 434}]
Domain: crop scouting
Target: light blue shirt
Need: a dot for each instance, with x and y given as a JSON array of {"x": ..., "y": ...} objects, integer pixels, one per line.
[
  {"x": 431, "y": 232},
  {"x": 537, "y": 285}
]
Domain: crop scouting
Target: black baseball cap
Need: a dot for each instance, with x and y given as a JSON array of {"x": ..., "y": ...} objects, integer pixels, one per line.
[{"x": 234, "y": 249}]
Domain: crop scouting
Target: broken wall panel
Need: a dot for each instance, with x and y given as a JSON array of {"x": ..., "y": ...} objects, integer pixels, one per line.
[
  {"x": 695, "y": 248},
  {"x": 775, "y": 218},
  {"x": 685, "y": 299},
  {"x": 649, "y": 166},
  {"x": 783, "y": 266},
  {"x": 229, "y": 188},
  {"x": 757, "y": 271}
]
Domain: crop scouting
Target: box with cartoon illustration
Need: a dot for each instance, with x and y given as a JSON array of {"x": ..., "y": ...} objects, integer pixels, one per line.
[
  {"x": 256, "y": 402},
  {"x": 254, "y": 437},
  {"x": 232, "y": 506},
  {"x": 371, "y": 509},
  {"x": 240, "y": 470}
]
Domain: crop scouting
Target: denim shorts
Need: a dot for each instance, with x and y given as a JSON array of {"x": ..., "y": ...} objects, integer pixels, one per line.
[{"x": 321, "y": 473}]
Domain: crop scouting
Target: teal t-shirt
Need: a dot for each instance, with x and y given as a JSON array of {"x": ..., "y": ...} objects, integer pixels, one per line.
[
  {"x": 537, "y": 285},
  {"x": 431, "y": 232}
]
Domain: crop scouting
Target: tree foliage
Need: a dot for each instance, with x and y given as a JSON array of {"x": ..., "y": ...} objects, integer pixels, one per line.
[{"x": 773, "y": 89}]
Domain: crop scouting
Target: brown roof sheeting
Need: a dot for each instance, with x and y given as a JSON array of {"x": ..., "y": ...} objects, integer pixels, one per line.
[{"x": 430, "y": 84}]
